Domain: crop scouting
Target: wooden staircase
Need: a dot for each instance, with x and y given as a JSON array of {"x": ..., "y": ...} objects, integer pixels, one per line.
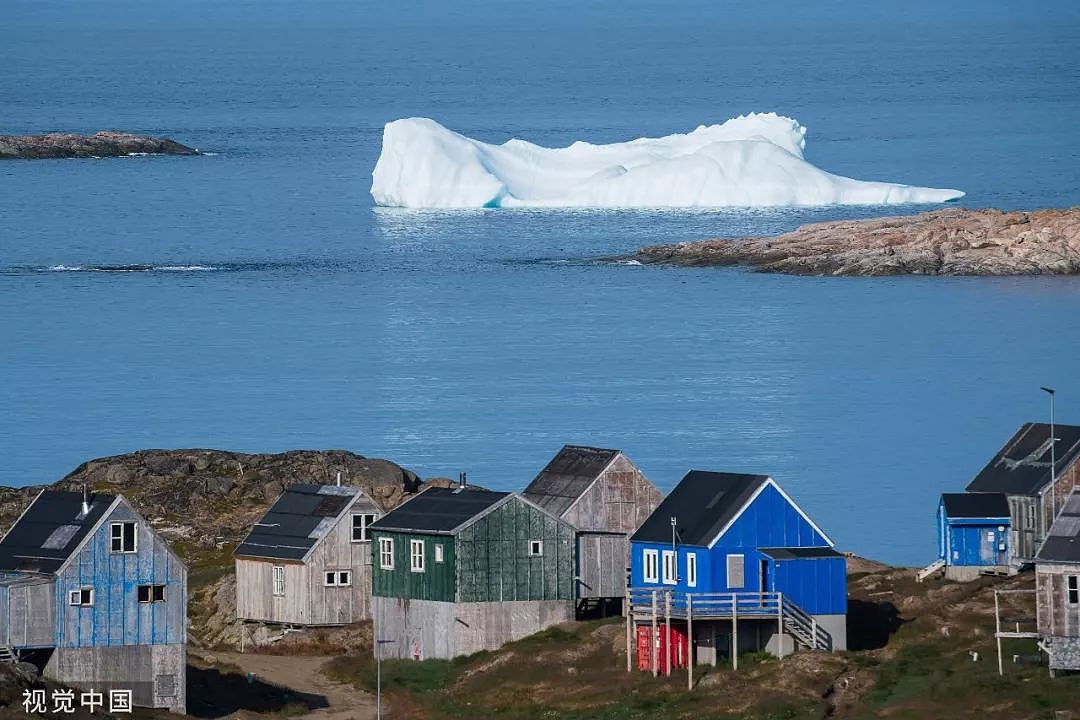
[
  {"x": 8, "y": 654},
  {"x": 934, "y": 567}
]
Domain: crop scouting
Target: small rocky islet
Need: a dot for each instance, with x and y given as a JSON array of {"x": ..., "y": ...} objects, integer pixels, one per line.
[
  {"x": 105, "y": 143},
  {"x": 954, "y": 241}
]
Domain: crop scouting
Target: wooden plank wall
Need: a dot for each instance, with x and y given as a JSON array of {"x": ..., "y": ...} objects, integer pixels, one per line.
[
  {"x": 619, "y": 501},
  {"x": 255, "y": 599},
  {"x": 602, "y": 562},
  {"x": 1055, "y": 617},
  {"x": 31, "y": 614},
  {"x": 437, "y": 582}
]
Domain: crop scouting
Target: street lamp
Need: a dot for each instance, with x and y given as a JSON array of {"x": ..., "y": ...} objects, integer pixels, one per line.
[
  {"x": 378, "y": 676},
  {"x": 1053, "y": 463}
]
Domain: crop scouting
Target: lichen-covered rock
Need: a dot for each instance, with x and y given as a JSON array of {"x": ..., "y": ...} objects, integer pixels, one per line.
[
  {"x": 101, "y": 144},
  {"x": 945, "y": 242}
]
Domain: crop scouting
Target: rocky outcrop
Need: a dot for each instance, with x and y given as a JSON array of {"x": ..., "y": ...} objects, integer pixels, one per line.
[
  {"x": 945, "y": 242},
  {"x": 101, "y": 144}
]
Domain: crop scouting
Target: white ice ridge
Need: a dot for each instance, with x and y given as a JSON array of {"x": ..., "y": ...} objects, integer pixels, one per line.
[{"x": 753, "y": 160}]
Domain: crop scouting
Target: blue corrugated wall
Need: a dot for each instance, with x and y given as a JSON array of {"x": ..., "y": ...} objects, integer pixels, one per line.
[{"x": 117, "y": 618}]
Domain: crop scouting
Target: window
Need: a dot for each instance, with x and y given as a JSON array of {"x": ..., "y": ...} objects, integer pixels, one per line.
[
  {"x": 151, "y": 593},
  {"x": 990, "y": 536},
  {"x": 438, "y": 553},
  {"x": 651, "y": 571},
  {"x": 279, "y": 580},
  {"x": 671, "y": 571},
  {"x": 735, "y": 575},
  {"x": 337, "y": 578},
  {"x": 536, "y": 548},
  {"x": 386, "y": 553},
  {"x": 1072, "y": 589},
  {"x": 360, "y": 525},
  {"x": 122, "y": 537},
  {"x": 416, "y": 555},
  {"x": 691, "y": 569},
  {"x": 83, "y": 597}
]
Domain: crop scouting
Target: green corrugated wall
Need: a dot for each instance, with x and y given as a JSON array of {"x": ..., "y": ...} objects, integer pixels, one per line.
[{"x": 435, "y": 583}]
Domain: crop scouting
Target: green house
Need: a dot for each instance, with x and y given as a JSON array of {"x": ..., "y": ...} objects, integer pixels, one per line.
[{"x": 456, "y": 571}]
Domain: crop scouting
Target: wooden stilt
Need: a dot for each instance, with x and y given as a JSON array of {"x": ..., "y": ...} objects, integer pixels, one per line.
[
  {"x": 734, "y": 632},
  {"x": 780, "y": 625},
  {"x": 997, "y": 631},
  {"x": 629, "y": 612},
  {"x": 654, "y": 638},
  {"x": 667, "y": 625},
  {"x": 689, "y": 642}
]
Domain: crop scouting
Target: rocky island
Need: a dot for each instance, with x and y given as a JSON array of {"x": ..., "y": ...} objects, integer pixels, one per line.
[
  {"x": 101, "y": 144},
  {"x": 944, "y": 242}
]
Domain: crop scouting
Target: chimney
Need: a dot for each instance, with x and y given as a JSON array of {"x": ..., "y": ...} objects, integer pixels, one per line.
[
  {"x": 339, "y": 478},
  {"x": 461, "y": 479},
  {"x": 85, "y": 501}
]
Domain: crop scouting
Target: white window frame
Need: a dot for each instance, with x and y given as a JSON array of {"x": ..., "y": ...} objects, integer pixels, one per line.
[
  {"x": 536, "y": 548},
  {"x": 669, "y": 567},
  {"x": 115, "y": 538},
  {"x": 438, "y": 552},
  {"x": 365, "y": 523},
  {"x": 75, "y": 597},
  {"x": 337, "y": 578},
  {"x": 416, "y": 555},
  {"x": 742, "y": 570},
  {"x": 277, "y": 580},
  {"x": 691, "y": 569},
  {"x": 386, "y": 553},
  {"x": 650, "y": 571},
  {"x": 1072, "y": 589}
]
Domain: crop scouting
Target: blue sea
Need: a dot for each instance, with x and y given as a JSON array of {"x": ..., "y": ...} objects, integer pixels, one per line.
[{"x": 267, "y": 305}]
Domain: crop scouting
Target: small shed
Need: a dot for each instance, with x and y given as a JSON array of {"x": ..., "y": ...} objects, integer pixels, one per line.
[
  {"x": 92, "y": 592},
  {"x": 463, "y": 570},
  {"x": 1021, "y": 471},
  {"x": 307, "y": 562},
  {"x": 974, "y": 532},
  {"x": 1057, "y": 588},
  {"x": 606, "y": 498}
]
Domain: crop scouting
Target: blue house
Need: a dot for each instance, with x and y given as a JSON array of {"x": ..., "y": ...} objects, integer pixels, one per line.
[
  {"x": 737, "y": 556},
  {"x": 974, "y": 534},
  {"x": 92, "y": 594}
]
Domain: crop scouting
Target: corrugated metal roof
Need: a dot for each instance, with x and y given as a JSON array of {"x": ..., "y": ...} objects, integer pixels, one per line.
[
  {"x": 50, "y": 530},
  {"x": 976, "y": 505},
  {"x": 439, "y": 510},
  {"x": 702, "y": 503},
  {"x": 1062, "y": 544},
  {"x": 1022, "y": 467},
  {"x": 567, "y": 476},
  {"x": 297, "y": 520}
]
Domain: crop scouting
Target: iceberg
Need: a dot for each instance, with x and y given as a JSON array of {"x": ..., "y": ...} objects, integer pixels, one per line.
[{"x": 753, "y": 160}]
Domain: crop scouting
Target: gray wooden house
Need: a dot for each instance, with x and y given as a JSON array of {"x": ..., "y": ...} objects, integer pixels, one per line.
[
  {"x": 1057, "y": 588},
  {"x": 93, "y": 595},
  {"x": 307, "y": 562},
  {"x": 606, "y": 498},
  {"x": 463, "y": 570},
  {"x": 1021, "y": 470}
]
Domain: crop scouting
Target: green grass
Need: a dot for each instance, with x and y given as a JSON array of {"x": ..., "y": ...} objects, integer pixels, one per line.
[{"x": 425, "y": 676}]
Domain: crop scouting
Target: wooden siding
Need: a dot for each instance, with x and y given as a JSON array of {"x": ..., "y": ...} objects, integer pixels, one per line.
[
  {"x": 1055, "y": 616},
  {"x": 493, "y": 561},
  {"x": 437, "y": 582},
  {"x": 307, "y": 599},
  {"x": 28, "y": 614},
  {"x": 620, "y": 500},
  {"x": 116, "y": 617},
  {"x": 602, "y": 562}
]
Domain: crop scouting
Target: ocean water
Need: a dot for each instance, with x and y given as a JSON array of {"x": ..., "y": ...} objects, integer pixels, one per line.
[{"x": 253, "y": 299}]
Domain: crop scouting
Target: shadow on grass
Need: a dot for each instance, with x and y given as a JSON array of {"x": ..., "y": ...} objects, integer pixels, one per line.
[
  {"x": 213, "y": 693},
  {"x": 871, "y": 624}
]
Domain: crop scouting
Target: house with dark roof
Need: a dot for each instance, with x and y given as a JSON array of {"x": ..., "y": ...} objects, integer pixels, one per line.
[
  {"x": 734, "y": 557},
  {"x": 1057, "y": 588},
  {"x": 606, "y": 498},
  {"x": 90, "y": 593},
  {"x": 459, "y": 570},
  {"x": 974, "y": 532},
  {"x": 307, "y": 562},
  {"x": 1021, "y": 471}
]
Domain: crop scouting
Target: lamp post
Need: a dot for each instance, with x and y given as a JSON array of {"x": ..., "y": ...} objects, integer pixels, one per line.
[
  {"x": 1053, "y": 463},
  {"x": 378, "y": 676}
]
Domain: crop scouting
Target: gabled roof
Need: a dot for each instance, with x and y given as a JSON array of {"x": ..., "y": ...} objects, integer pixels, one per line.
[
  {"x": 976, "y": 505},
  {"x": 439, "y": 510},
  {"x": 567, "y": 476},
  {"x": 1022, "y": 467},
  {"x": 51, "y": 530},
  {"x": 297, "y": 521},
  {"x": 703, "y": 503},
  {"x": 1063, "y": 542}
]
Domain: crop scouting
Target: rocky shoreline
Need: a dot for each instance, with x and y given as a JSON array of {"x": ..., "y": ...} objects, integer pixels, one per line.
[
  {"x": 944, "y": 242},
  {"x": 101, "y": 144}
]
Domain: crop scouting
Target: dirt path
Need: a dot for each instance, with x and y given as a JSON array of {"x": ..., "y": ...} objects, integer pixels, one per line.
[{"x": 303, "y": 675}]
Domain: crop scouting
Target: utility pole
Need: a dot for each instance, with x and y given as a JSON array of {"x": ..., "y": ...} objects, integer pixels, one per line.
[{"x": 1053, "y": 462}]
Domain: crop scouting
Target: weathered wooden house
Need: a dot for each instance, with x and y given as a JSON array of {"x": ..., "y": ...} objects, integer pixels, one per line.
[
  {"x": 1057, "y": 588},
  {"x": 1021, "y": 471},
  {"x": 307, "y": 562},
  {"x": 606, "y": 498},
  {"x": 974, "y": 532},
  {"x": 91, "y": 592},
  {"x": 463, "y": 570},
  {"x": 731, "y": 563}
]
